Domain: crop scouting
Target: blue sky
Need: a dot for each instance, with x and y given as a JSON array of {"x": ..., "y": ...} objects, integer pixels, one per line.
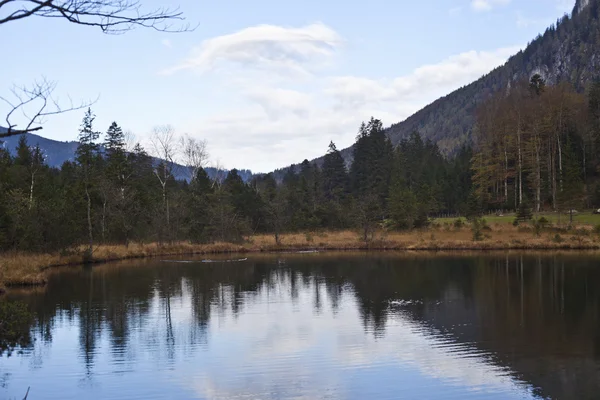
[{"x": 270, "y": 82}]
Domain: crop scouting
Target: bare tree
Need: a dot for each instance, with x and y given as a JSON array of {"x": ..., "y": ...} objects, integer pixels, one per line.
[
  {"x": 111, "y": 16},
  {"x": 130, "y": 141},
  {"x": 163, "y": 142},
  {"x": 219, "y": 175},
  {"x": 195, "y": 154}
]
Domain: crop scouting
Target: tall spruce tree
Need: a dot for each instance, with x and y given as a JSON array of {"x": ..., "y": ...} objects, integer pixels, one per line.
[
  {"x": 371, "y": 168},
  {"x": 335, "y": 176},
  {"x": 87, "y": 158}
]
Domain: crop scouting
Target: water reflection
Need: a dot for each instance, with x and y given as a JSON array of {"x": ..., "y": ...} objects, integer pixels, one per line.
[{"x": 316, "y": 326}]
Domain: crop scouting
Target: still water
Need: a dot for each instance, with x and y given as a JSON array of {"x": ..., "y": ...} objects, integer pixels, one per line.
[{"x": 315, "y": 326}]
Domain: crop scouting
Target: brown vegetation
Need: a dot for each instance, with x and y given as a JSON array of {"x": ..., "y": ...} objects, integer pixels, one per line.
[{"x": 19, "y": 269}]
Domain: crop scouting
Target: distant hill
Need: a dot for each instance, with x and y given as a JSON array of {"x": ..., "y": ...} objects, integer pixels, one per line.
[
  {"x": 56, "y": 153},
  {"x": 567, "y": 51}
]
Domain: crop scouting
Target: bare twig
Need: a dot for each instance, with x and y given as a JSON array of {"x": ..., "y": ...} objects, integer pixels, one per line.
[
  {"x": 111, "y": 16},
  {"x": 195, "y": 154},
  {"x": 35, "y": 103}
]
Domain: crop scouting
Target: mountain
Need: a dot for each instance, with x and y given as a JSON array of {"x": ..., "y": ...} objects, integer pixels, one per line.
[
  {"x": 56, "y": 153},
  {"x": 567, "y": 51}
]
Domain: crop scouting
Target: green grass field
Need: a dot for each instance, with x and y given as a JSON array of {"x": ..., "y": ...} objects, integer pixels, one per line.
[{"x": 585, "y": 218}]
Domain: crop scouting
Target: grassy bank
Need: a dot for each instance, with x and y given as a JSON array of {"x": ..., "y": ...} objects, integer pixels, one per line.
[
  {"x": 18, "y": 269},
  {"x": 581, "y": 218}
]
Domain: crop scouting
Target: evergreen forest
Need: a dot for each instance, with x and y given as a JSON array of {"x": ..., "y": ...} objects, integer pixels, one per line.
[{"x": 535, "y": 146}]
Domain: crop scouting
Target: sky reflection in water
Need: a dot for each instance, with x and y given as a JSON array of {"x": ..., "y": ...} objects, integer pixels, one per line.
[{"x": 314, "y": 326}]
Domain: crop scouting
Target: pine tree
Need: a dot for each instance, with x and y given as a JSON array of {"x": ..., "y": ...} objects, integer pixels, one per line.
[
  {"x": 335, "y": 177},
  {"x": 371, "y": 168},
  {"x": 572, "y": 194},
  {"x": 87, "y": 157},
  {"x": 116, "y": 157},
  {"x": 23, "y": 156},
  {"x": 199, "y": 206}
]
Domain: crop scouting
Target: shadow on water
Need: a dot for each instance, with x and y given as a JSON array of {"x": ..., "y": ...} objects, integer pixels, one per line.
[{"x": 531, "y": 319}]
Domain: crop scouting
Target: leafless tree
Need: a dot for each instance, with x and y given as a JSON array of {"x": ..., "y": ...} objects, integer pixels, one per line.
[
  {"x": 111, "y": 16},
  {"x": 219, "y": 175},
  {"x": 130, "y": 141},
  {"x": 195, "y": 154},
  {"x": 163, "y": 143}
]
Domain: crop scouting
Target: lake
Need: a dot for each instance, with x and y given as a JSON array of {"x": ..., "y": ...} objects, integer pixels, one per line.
[{"x": 315, "y": 326}]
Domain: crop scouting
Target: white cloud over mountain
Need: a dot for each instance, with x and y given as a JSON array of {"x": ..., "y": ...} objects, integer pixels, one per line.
[{"x": 288, "y": 102}]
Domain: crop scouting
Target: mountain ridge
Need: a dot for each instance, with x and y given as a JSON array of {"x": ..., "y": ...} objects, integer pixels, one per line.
[
  {"x": 567, "y": 50},
  {"x": 57, "y": 152}
]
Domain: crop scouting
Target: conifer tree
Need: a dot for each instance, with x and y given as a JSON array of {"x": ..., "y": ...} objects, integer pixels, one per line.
[{"x": 87, "y": 157}]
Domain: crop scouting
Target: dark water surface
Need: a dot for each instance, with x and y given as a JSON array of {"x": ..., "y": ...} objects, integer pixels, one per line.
[{"x": 316, "y": 326}]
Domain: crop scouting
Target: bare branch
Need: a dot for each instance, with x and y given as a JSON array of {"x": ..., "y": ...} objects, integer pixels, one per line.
[
  {"x": 111, "y": 16},
  {"x": 130, "y": 141},
  {"x": 35, "y": 103},
  {"x": 163, "y": 141},
  {"x": 195, "y": 154},
  {"x": 219, "y": 175}
]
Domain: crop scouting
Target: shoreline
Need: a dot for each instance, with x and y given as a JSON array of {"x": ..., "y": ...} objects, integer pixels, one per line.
[{"x": 29, "y": 270}]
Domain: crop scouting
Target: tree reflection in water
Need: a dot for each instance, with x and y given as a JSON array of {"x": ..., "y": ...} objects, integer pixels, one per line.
[{"x": 535, "y": 316}]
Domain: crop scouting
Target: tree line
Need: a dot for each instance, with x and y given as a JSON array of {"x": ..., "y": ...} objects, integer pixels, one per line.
[
  {"x": 535, "y": 147},
  {"x": 114, "y": 193}
]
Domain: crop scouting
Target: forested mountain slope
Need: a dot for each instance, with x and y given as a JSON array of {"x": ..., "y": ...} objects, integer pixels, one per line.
[{"x": 567, "y": 51}]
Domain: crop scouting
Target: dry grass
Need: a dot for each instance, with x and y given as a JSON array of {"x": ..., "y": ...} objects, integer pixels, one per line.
[{"x": 18, "y": 269}]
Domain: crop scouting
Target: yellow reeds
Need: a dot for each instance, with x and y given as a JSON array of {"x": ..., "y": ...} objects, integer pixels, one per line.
[{"x": 23, "y": 269}]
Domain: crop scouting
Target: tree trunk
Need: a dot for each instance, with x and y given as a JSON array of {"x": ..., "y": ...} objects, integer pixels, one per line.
[
  {"x": 571, "y": 216},
  {"x": 554, "y": 191},
  {"x": 505, "y": 175},
  {"x": 89, "y": 220},
  {"x": 560, "y": 169},
  {"x": 520, "y": 160},
  {"x": 31, "y": 190},
  {"x": 104, "y": 220},
  {"x": 538, "y": 177}
]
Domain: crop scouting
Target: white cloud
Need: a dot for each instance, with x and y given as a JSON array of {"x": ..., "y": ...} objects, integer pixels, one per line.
[
  {"x": 273, "y": 112},
  {"x": 166, "y": 43},
  {"x": 424, "y": 82},
  {"x": 270, "y": 47},
  {"x": 293, "y": 124},
  {"x": 278, "y": 102},
  {"x": 487, "y": 5}
]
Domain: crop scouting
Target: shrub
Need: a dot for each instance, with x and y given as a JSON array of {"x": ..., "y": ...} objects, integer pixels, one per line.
[
  {"x": 524, "y": 212},
  {"x": 458, "y": 223},
  {"x": 597, "y": 229},
  {"x": 557, "y": 238},
  {"x": 476, "y": 227},
  {"x": 540, "y": 225}
]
